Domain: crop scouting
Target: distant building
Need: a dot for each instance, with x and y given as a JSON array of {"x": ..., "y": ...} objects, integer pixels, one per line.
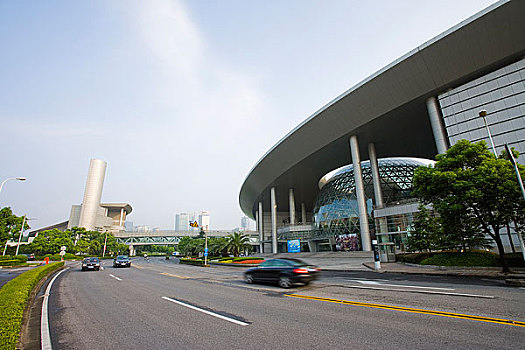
[
  {"x": 204, "y": 220},
  {"x": 245, "y": 223},
  {"x": 182, "y": 222},
  {"x": 91, "y": 214}
]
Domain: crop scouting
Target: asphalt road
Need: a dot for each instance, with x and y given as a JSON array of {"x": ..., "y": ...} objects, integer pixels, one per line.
[{"x": 158, "y": 304}]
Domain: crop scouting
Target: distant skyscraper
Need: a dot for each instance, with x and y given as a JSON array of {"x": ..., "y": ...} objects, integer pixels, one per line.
[
  {"x": 204, "y": 220},
  {"x": 182, "y": 222},
  {"x": 245, "y": 223}
]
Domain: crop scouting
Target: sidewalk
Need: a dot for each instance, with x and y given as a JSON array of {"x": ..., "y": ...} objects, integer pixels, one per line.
[{"x": 483, "y": 272}]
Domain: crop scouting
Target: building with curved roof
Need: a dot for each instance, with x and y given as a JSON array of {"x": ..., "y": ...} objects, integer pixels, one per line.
[{"x": 417, "y": 106}]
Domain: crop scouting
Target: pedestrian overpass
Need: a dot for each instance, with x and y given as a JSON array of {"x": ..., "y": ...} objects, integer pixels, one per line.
[{"x": 133, "y": 239}]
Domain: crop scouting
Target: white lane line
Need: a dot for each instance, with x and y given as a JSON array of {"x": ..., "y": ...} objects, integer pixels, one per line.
[
  {"x": 115, "y": 277},
  {"x": 45, "y": 334},
  {"x": 240, "y": 323},
  {"x": 425, "y": 292},
  {"x": 397, "y": 285}
]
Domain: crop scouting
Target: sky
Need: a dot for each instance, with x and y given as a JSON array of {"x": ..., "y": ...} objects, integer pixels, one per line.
[{"x": 180, "y": 98}]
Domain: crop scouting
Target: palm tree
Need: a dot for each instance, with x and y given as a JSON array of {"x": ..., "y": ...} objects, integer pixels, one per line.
[{"x": 237, "y": 242}]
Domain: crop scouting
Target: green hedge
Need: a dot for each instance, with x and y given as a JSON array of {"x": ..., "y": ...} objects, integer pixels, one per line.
[
  {"x": 10, "y": 260},
  {"x": 13, "y": 299},
  {"x": 471, "y": 259},
  {"x": 197, "y": 262}
]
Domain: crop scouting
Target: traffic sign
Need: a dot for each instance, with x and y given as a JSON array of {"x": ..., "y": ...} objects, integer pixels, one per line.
[
  {"x": 62, "y": 252},
  {"x": 63, "y": 248}
]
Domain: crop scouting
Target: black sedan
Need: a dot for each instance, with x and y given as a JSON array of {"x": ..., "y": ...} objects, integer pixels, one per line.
[
  {"x": 121, "y": 261},
  {"x": 285, "y": 272},
  {"x": 91, "y": 264}
]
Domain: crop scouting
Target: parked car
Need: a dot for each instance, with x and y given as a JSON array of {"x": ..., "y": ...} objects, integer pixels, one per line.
[
  {"x": 285, "y": 272},
  {"x": 122, "y": 261},
  {"x": 91, "y": 263}
]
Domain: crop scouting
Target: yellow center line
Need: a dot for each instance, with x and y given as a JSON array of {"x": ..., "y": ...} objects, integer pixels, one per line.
[
  {"x": 419, "y": 311},
  {"x": 137, "y": 267},
  {"x": 172, "y": 275}
]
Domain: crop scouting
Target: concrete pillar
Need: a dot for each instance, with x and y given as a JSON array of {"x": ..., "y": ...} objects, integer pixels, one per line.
[
  {"x": 376, "y": 179},
  {"x": 360, "y": 193},
  {"x": 121, "y": 216},
  {"x": 291, "y": 200},
  {"x": 92, "y": 194},
  {"x": 436, "y": 121},
  {"x": 303, "y": 213},
  {"x": 261, "y": 227},
  {"x": 274, "y": 220},
  {"x": 131, "y": 250}
]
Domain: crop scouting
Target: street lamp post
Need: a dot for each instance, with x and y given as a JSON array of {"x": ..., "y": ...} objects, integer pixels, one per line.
[
  {"x": 483, "y": 114},
  {"x": 22, "y": 232},
  {"x": 11, "y": 178},
  {"x": 20, "y": 235}
]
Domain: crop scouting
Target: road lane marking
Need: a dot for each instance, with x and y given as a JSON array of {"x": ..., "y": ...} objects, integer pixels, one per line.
[
  {"x": 137, "y": 267},
  {"x": 413, "y": 310},
  {"x": 240, "y": 323},
  {"x": 424, "y": 292},
  {"x": 396, "y": 285},
  {"x": 115, "y": 277},
  {"x": 172, "y": 275},
  {"x": 45, "y": 334}
]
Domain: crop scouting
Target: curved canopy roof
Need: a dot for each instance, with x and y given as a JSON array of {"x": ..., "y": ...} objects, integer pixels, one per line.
[{"x": 388, "y": 108}]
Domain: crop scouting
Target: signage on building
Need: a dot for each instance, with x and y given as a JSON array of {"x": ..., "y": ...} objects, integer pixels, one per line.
[{"x": 294, "y": 246}]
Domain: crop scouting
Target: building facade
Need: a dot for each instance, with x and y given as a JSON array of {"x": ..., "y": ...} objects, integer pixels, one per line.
[{"x": 416, "y": 107}]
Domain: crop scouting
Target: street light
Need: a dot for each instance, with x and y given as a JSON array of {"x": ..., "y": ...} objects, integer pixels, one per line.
[
  {"x": 11, "y": 178},
  {"x": 483, "y": 114}
]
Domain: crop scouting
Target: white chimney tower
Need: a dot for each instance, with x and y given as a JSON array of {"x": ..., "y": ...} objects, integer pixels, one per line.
[{"x": 92, "y": 194}]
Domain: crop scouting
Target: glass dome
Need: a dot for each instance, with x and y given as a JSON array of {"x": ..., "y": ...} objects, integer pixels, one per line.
[{"x": 335, "y": 210}]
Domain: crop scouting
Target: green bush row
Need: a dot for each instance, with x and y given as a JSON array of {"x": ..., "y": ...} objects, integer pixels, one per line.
[
  {"x": 13, "y": 299},
  {"x": 197, "y": 262},
  {"x": 19, "y": 258},
  {"x": 475, "y": 258},
  {"x": 240, "y": 258}
]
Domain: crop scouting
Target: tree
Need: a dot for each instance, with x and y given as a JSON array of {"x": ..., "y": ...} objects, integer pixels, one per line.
[
  {"x": 10, "y": 225},
  {"x": 472, "y": 191},
  {"x": 218, "y": 246},
  {"x": 50, "y": 241},
  {"x": 426, "y": 231},
  {"x": 237, "y": 242}
]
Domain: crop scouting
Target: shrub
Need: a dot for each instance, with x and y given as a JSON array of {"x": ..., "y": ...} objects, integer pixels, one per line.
[
  {"x": 463, "y": 259},
  {"x": 514, "y": 259},
  {"x": 197, "y": 262},
  {"x": 9, "y": 260},
  {"x": 13, "y": 299},
  {"x": 413, "y": 258}
]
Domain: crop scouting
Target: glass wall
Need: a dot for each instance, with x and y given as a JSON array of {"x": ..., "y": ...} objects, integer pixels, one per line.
[{"x": 335, "y": 213}]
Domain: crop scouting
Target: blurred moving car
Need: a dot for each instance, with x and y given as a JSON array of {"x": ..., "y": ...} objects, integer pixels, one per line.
[
  {"x": 29, "y": 256},
  {"x": 285, "y": 272},
  {"x": 122, "y": 261},
  {"x": 92, "y": 263}
]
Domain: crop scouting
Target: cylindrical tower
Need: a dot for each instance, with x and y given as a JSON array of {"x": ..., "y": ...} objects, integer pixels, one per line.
[{"x": 92, "y": 194}]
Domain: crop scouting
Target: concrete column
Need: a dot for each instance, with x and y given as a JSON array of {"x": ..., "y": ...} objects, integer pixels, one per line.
[
  {"x": 274, "y": 220},
  {"x": 121, "y": 216},
  {"x": 261, "y": 227},
  {"x": 376, "y": 180},
  {"x": 92, "y": 194},
  {"x": 436, "y": 121},
  {"x": 303, "y": 213},
  {"x": 291, "y": 200},
  {"x": 360, "y": 193},
  {"x": 131, "y": 250}
]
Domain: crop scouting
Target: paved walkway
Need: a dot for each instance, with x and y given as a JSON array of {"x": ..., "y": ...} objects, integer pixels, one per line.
[
  {"x": 485, "y": 272},
  {"x": 348, "y": 261}
]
